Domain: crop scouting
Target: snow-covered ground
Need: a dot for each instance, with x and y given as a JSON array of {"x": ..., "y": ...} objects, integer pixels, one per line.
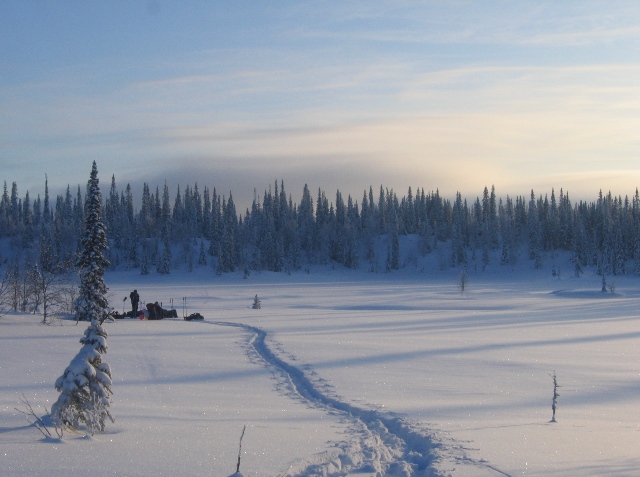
[{"x": 344, "y": 373}]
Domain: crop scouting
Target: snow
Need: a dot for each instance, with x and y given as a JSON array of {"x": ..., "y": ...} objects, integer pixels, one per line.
[{"x": 344, "y": 373}]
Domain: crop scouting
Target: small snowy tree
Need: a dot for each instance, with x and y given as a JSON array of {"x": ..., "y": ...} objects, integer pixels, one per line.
[
  {"x": 256, "y": 303},
  {"x": 85, "y": 385}
]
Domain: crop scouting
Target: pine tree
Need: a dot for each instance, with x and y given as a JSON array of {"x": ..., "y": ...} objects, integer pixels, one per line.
[
  {"x": 164, "y": 261},
  {"x": 85, "y": 385},
  {"x": 4, "y": 211},
  {"x": 306, "y": 221},
  {"x": 458, "y": 249},
  {"x": 27, "y": 218},
  {"x": 46, "y": 211},
  {"x": 393, "y": 252},
  {"x": 226, "y": 259},
  {"x": 92, "y": 303},
  {"x": 202, "y": 258},
  {"x": 534, "y": 226},
  {"x": 206, "y": 214},
  {"x": 144, "y": 261},
  {"x": 15, "y": 209}
]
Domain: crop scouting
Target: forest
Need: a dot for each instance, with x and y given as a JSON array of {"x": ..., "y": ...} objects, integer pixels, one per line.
[{"x": 195, "y": 228}]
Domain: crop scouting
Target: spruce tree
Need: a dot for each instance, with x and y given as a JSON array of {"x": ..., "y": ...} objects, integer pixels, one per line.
[
  {"x": 144, "y": 261},
  {"x": 92, "y": 302},
  {"x": 202, "y": 258},
  {"x": 85, "y": 385},
  {"x": 164, "y": 261},
  {"x": 306, "y": 221},
  {"x": 395, "y": 250}
]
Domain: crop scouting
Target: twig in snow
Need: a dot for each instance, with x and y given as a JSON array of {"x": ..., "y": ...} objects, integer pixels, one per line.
[
  {"x": 36, "y": 420},
  {"x": 240, "y": 449},
  {"x": 554, "y": 403}
]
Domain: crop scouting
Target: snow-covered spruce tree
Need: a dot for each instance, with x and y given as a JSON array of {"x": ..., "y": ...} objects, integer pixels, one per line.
[
  {"x": 85, "y": 385},
  {"x": 202, "y": 258},
  {"x": 144, "y": 261},
  {"x": 92, "y": 303},
  {"x": 164, "y": 261}
]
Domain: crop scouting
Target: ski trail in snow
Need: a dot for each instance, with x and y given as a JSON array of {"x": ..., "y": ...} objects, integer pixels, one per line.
[{"x": 388, "y": 446}]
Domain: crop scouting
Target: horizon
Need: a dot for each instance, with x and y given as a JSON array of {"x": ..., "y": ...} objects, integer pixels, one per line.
[{"x": 244, "y": 199}]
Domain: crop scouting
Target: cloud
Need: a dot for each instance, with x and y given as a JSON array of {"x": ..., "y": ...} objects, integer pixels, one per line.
[
  {"x": 396, "y": 118},
  {"x": 451, "y": 153},
  {"x": 509, "y": 24}
]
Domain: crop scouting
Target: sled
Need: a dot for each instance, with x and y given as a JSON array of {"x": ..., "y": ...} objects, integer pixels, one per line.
[
  {"x": 194, "y": 316},
  {"x": 172, "y": 313},
  {"x": 119, "y": 316},
  {"x": 156, "y": 312}
]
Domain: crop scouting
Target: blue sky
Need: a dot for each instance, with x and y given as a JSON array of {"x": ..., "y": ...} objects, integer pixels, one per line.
[{"x": 454, "y": 95}]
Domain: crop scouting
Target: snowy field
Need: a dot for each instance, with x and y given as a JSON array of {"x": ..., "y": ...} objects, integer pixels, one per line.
[{"x": 344, "y": 373}]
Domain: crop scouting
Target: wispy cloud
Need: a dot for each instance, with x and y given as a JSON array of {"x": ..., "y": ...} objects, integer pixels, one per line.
[
  {"x": 542, "y": 23},
  {"x": 362, "y": 96}
]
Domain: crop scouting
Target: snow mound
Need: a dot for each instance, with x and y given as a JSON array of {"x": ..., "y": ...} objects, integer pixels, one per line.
[{"x": 579, "y": 294}]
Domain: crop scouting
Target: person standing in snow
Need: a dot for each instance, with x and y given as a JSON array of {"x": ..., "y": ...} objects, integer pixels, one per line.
[{"x": 135, "y": 299}]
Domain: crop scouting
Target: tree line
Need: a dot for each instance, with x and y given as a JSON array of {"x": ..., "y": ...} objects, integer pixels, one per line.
[{"x": 192, "y": 228}]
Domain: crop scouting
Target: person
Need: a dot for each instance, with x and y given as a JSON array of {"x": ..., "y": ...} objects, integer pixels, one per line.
[
  {"x": 135, "y": 299},
  {"x": 155, "y": 311}
]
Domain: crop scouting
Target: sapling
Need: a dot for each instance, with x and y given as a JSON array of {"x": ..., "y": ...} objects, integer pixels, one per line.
[
  {"x": 554, "y": 402},
  {"x": 37, "y": 421},
  {"x": 256, "y": 303},
  {"x": 462, "y": 280},
  {"x": 238, "y": 474}
]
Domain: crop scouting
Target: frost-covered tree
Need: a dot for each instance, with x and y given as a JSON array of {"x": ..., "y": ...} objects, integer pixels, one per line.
[
  {"x": 13, "y": 279},
  {"x": 5, "y": 292},
  {"x": 47, "y": 290},
  {"x": 144, "y": 261},
  {"x": 279, "y": 234},
  {"x": 202, "y": 258},
  {"x": 85, "y": 385},
  {"x": 92, "y": 302},
  {"x": 226, "y": 258},
  {"x": 164, "y": 262}
]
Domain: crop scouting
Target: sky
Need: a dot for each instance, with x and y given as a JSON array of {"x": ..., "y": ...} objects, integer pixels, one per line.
[{"x": 446, "y": 95}]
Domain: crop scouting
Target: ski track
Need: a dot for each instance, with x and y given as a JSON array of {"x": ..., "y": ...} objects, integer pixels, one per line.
[{"x": 387, "y": 446}]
